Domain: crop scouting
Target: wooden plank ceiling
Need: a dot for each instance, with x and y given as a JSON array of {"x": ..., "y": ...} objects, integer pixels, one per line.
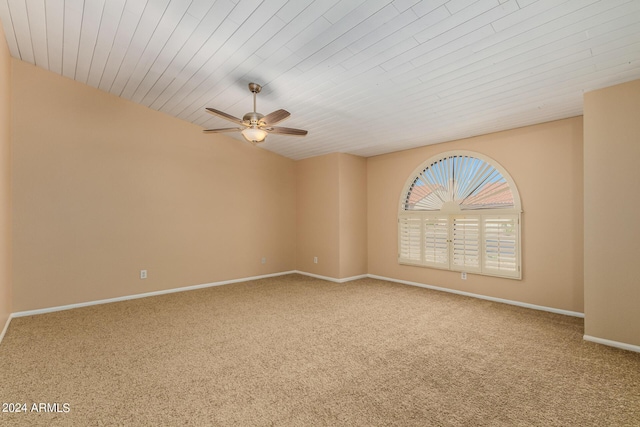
[{"x": 365, "y": 77}]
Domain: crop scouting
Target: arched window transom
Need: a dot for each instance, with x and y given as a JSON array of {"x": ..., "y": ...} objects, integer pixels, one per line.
[{"x": 461, "y": 211}]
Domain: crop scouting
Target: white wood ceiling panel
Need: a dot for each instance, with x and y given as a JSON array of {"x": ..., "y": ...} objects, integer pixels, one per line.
[
  {"x": 536, "y": 88},
  {"x": 530, "y": 45},
  {"x": 363, "y": 76},
  {"x": 444, "y": 48},
  {"x": 618, "y": 38},
  {"x": 149, "y": 75},
  {"x": 199, "y": 8},
  {"x": 455, "y": 6},
  {"x": 511, "y": 71},
  {"x": 341, "y": 10},
  {"x": 282, "y": 58},
  {"x": 21, "y": 29},
  {"x": 403, "y": 5},
  {"x": 294, "y": 10},
  {"x": 193, "y": 97},
  {"x": 111, "y": 17},
  {"x": 472, "y": 14},
  {"x": 427, "y": 21},
  {"x": 409, "y": 85},
  {"x": 295, "y": 21},
  {"x": 536, "y": 91},
  {"x": 508, "y": 108},
  {"x": 379, "y": 33},
  {"x": 346, "y": 32},
  {"x": 196, "y": 101},
  {"x": 55, "y": 33},
  {"x": 38, "y": 29},
  {"x": 197, "y": 68},
  {"x": 180, "y": 64},
  {"x": 510, "y": 102},
  {"x": 142, "y": 37},
  {"x": 600, "y": 30},
  {"x": 525, "y": 3},
  {"x": 378, "y": 54},
  {"x": 529, "y": 14},
  {"x": 231, "y": 53},
  {"x": 243, "y": 10},
  {"x": 121, "y": 42},
  {"x": 445, "y": 32},
  {"x": 555, "y": 18},
  {"x": 170, "y": 27},
  {"x": 423, "y": 8},
  {"x": 91, "y": 22},
  {"x": 71, "y": 42},
  {"x": 539, "y": 91},
  {"x": 5, "y": 16},
  {"x": 312, "y": 31}
]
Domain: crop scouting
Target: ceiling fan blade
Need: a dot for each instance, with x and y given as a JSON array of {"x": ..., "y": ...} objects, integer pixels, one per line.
[
  {"x": 276, "y": 117},
  {"x": 224, "y": 115},
  {"x": 222, "y": 130},
  {"x": 286, "y": 131}
]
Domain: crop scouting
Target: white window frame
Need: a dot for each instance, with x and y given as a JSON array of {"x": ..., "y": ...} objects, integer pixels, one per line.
[{"x": 445, "y": 248}]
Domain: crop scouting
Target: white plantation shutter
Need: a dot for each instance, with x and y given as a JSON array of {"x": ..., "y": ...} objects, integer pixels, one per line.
[
  {"x": 436, "y": 241},
  {"x": 501, "y": 245},
  {"x": 410, "y": 240},
  {"x": 465, "y": 243},
  {"x": 461, "y": 211}
]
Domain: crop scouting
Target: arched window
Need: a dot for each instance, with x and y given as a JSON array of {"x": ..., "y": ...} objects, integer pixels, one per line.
[{"x": 461, "y": 211}]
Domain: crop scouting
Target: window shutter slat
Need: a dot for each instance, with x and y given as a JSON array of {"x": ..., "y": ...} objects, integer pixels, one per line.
[
  {"x": 501, "y": 243},
  {"x": 410, "y": 232},
  {"x": 466, "y": 243},
  {"x": 436, "y": 236}
]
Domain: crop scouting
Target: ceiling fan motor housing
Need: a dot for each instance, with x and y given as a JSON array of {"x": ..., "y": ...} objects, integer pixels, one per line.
[{"x": 253, "y": 119}]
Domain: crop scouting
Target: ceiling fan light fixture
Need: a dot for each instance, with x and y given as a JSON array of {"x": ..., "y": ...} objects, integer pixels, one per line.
[
  {"x": 254, "y": 134},
  {"x": 256, "y": 126}
]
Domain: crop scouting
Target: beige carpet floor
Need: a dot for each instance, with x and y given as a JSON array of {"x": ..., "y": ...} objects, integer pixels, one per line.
[{"x": 294, "y": 350}]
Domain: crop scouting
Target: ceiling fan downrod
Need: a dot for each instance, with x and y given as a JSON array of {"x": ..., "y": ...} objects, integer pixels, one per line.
[{"x": 255, "y": 88}]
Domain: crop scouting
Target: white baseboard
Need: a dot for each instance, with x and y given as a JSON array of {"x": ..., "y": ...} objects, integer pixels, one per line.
[
  {"x": 144, "y": 295},
  {"x": 611, "y": 343},
  {"x": 602, "y": 341},
  {"x": 245, "y": 279},
  {"x": 6, "y": 326},
  {"x": 469, "y": 294},
  {"x": 332, "y": 279}
]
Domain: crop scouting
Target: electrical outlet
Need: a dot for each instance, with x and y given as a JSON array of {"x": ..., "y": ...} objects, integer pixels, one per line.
[
  {"x": 463, "y": 275},
  {"x": 315, "y": 259},
  {"x": 143, "y": 274},
  {"x": 264, "y": 259}
]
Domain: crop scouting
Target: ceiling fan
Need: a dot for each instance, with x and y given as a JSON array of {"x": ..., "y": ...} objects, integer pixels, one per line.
[{"x": 255, "y": 125}]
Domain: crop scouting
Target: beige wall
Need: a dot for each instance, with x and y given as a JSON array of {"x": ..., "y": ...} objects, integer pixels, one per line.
[
  {"x": 318, "y": 223},
  {"x": 5, "y": 181},
  {"x": 331, "y": 193},
  {"x": 546, "y": 163},
  {"x": 353, "y": 215},
  {"x": 103, "y": 188},
  {"x": 612, "y": 205}
]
